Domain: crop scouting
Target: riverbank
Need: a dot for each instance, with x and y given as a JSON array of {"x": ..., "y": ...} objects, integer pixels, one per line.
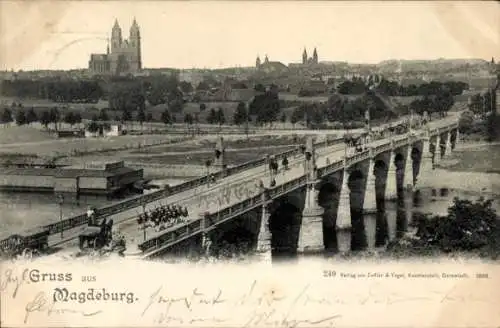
[{"x": 473, "y": 166}]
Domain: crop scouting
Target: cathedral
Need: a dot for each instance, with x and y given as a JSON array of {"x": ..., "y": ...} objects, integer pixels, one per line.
[
  {"x": 311, "y": 60},
  {"x": 124, "y": 56}
]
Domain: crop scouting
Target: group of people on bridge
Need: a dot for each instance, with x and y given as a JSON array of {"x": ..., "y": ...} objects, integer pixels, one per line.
[{"x": 163, "y": 217}]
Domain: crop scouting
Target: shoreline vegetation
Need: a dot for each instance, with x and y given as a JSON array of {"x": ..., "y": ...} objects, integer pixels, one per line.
[{"x": 470, "y": 228}]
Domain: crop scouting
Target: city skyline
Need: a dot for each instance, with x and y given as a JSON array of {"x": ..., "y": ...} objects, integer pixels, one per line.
[{"x": 59, "y": 35}]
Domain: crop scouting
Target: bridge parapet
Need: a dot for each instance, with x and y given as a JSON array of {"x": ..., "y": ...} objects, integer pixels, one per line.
[
  {"x": 381, "y": 148},
  {"x": 330, "y": 168},
  {"x": 180, "y": 232},
  {"x": 139, "y": 200},
  {"x": 358, "y": 157},
  {"x": 400, "y": 142}
]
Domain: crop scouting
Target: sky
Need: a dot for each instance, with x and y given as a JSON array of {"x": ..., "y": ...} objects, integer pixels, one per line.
[{"x": 215, "y": 34}]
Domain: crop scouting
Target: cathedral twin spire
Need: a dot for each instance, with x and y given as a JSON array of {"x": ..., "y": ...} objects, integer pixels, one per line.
[
  {"x": 116, "y": 33},
  {"x": 312, "y": 60}
]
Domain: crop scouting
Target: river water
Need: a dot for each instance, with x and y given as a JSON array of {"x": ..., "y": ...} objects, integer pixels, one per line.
[
  {"x": 20, "y": 211},
  {"x": 24, "y": 210}
]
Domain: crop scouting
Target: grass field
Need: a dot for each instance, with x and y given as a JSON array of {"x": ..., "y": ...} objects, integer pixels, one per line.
[
  {"x": 30, "y": 141},
  {"x": 17, "y": 134},
  {"x": 198, "y": 158}
]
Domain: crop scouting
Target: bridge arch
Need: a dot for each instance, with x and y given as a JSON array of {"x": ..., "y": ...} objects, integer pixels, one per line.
[
  {"x": 399, "y": 160},
  {"x": 238, "y": 235},
  {"x": 328, "y": 199},
  {"x": 356, "y": 184},
  {"x": 284, "y": 224}
]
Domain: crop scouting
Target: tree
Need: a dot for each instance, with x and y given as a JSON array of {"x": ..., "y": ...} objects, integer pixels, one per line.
[
  {"x": 260, "y": 88},
  {"x": 93, "y": 126},
  {"x": 240, "y": 115},
  {"x": 103, "y": 115},
  {"x": 141, "y": 116},
  {"x": 475, "y": 103},
  {"x": 203, "y": 86},
  {"x": 443, "y": 101},
  {"x": 149, "y": 117},
  {"x": 31, "y": 116},
  {"x": 212, "y": 116},
  {"x": 69, "y": 118},
  {"x": 283, "y": 118},
  {"x": 77, "y": 118},
  {"x": 45, "y": 119},
  {"x": 188, "y": 119},
  {"x": 468, "y": 226},
  {"x": 220, "y": 117},
  {"x": 202, "y": 107},
  {"x": 21, "y": 118},
  {"x": 493, "y": 126},
  {"x": 126, "y": 96},
  {"x": 176, "y": 106},
  {"x": 6, "y": 116},
  {"x": 296, "y": 115},
  {"x": 55, "y": 116},
  {"x": 126, "y": 116},
  {"x": 165, "y": 117},
  {"x": 186, "y": 87}
]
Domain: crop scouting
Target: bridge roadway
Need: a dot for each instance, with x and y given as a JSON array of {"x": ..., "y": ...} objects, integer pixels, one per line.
[
  {"x": 237, "y": 187},
  {"x": 226, "y": 191}
]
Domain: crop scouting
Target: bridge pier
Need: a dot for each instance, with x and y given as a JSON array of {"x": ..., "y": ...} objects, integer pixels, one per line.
[
  {"x": 264, "y": 237},
  {"x": 370, "y": 201},
  {"x": 344, "y": 223},
  {"x": 311, "y": 229},
  {"x": 437, "y": 151},
  {"x": 408, "y": 178},
  {"x": 426, "y": 164},
  {"x": 391, "y": 191},
  {"x": 447, "y": 150}
]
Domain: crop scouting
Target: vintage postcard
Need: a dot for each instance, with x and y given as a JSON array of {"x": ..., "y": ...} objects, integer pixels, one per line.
[{"x": 249, "y": 164}]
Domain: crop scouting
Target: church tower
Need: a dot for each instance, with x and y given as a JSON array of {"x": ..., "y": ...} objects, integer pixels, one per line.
[
  {"x": 315, "y": 56},
  {"x": 135, "y": 47},
  {"x": 304, "y": 57},
  {"x": 266, "y": 60},
  {"x": 116, "y": 37},
  {"x": 257, "y": 62}
]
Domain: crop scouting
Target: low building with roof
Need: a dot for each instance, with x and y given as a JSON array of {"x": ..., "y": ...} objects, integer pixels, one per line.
[{"x": 90, "y": 179}]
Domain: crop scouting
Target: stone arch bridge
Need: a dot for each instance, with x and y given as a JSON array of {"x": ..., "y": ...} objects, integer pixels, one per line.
[{"x": 314, "y": 211}]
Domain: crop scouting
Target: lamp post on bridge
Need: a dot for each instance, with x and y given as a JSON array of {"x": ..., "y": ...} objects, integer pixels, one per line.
[{"x": 60, "y": 201}]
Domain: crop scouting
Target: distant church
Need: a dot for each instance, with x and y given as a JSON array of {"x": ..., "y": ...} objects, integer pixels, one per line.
[
  {"x": 311, "y": 60},
  {"x": 270, "y": 66},
  {"x": 124, "y": 56}
]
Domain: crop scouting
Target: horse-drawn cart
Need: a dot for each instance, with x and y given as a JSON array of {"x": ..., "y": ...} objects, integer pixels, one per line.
[{"x": 96, "y": 235}]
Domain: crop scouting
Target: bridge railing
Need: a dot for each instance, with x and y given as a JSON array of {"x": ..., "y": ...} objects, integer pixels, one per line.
[
  {"x": 237, "y": 209},
  {"x": 330, "y": 168},
  {"x": 358, "y": 157},
  {"x": 139, "y": 200},
  {"x": 176, "y": 234},
  {"x": 381, "y": 148}
]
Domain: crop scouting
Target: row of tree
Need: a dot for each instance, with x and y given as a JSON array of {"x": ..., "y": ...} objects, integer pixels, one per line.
[
  {"x": 86, "y": 91},
  {"x": 481, "y": 104},
  {"x": 23, "y": 117},
  {"x": 439, "y": 103},
  {"x": 393, "y": 88}
]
